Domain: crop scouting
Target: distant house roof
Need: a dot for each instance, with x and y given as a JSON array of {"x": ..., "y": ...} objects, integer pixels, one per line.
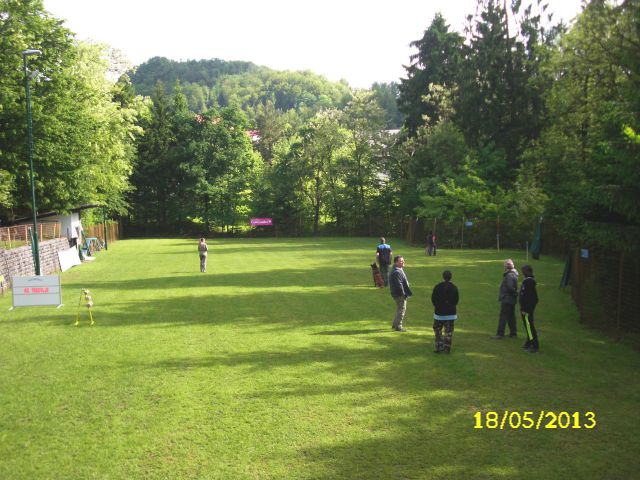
[
  {"x": 254, "y": 135},
  {"x": 52, "y": 214}
]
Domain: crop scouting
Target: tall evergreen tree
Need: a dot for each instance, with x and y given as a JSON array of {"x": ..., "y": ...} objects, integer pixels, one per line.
[
  {"x": 499, "y": 101},
  {"x": 436, "y": 62}
]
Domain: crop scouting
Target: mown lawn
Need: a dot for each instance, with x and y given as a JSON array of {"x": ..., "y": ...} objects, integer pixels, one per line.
[{"x": 280, "y": 363}]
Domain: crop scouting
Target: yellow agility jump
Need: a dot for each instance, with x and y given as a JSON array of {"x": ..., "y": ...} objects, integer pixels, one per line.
[{"x": 88, "y": 299}]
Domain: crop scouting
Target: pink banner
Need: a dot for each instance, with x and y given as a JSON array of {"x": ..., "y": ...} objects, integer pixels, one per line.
[{"x": 261, "y": 222}]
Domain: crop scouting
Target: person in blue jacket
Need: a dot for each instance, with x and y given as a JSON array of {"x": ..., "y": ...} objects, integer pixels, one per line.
[
  {"x": 445, "y": 298},
  {"x": 383, "y": 257}
]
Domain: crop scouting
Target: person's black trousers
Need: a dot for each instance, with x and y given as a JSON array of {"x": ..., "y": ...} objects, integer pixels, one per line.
[
  {"x": 530, "y": 329},
  {"x": 384, "y": 270},
  {"x": 507, "y": 316}
]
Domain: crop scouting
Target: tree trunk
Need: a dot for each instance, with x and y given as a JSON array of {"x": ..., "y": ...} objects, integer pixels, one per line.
[{"x": 316, "y": 213}]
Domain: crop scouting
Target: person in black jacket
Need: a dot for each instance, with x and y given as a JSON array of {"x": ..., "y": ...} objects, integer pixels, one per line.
[
  {"x": 400, "y": 291},
  {"x": 528, "y": 298},
  {"x": 444, "y": 298}
]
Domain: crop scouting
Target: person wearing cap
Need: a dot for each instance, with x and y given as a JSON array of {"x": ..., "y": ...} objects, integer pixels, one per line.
[
  {"x": 444, "y": 298},
  {"x": 508, "y": 297}
]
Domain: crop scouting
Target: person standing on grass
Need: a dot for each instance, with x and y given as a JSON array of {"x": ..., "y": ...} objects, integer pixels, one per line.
[
  {"x": 202, "y": 251},
  {"x": 431, "y": 244},
  {"x": 383, "y": 257},
  {"x": 400, "y": 291},
  {"x": 508, "y": 297},
  {"x": 528, "y": 298},
  {"x": 444, "y": 298}
]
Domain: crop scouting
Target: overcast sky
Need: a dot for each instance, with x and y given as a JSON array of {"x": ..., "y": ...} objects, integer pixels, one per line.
[{"x": 362, "y": 41}]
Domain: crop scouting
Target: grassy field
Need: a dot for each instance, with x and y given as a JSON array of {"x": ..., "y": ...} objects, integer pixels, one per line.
[{"x": 280, "y": 363}]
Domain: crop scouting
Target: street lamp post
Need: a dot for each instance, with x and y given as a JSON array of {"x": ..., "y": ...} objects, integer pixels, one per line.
[{"x": 27, "y": 79}]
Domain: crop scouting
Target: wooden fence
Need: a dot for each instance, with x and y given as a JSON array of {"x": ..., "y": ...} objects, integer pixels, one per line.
[
  {"x": 113, "y": 231},
  {"x": 18, "y": 235}
]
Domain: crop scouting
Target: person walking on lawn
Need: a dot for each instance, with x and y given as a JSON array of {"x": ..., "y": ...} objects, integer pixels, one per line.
[
  {"x": 202, "y": 252},
  {"x": 383, "y": 257}
]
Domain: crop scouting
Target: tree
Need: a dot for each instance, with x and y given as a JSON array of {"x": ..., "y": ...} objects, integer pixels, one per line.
[
  {"x": 6, "y": 193},
  {"x": 155, "y": 176},
  {"x": 499, "y": 99},
  {"x": 272, "y": 125},
  {"x": 386, "y": 95},
  {"x": 589, "y": 152},
  {"x": 321, "y": 146},
  {"x": 437, "y": 62},
  {"x": 364, "y": 120},
  {"x": 279, "y": 194},
  {"x": 194, "y": 170},
  {"x": 84, "y": 141}
]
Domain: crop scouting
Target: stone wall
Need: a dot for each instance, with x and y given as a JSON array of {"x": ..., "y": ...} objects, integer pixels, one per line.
[{"x": 18, "y": 262}]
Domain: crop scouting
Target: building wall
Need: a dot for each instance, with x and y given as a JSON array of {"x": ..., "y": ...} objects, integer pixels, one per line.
[
  {"x": 18, "y": 262},
  {"x": 69, "y": 224}
]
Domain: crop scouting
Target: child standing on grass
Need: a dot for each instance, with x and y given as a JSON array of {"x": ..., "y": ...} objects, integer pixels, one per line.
[
  {"x": 528, "y": 297},
  {"x": 444, "y": 298},
  {"x": 202, "y": 251}
]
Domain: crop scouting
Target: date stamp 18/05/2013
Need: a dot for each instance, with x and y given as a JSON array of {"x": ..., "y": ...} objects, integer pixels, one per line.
[{"x": 529, "y": 420}]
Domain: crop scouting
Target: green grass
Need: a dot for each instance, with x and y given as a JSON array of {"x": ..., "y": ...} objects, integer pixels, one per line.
[
  {"x": 13, "y": 244},
  {"x": 280, "y": 363}
]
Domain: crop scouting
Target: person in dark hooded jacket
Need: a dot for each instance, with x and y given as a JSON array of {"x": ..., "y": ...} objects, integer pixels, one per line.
[
  {"x": 528, "y": 298},
  {"x": 444, "y": 298}
]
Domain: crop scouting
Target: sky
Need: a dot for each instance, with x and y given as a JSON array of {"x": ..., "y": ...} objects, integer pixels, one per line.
[{"x": 361, "y": 41}]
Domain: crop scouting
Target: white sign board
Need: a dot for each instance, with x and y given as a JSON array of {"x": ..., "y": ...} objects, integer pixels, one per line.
[
  {"x": 68, "y": 258},
  {"x": 37, "y": 291}
]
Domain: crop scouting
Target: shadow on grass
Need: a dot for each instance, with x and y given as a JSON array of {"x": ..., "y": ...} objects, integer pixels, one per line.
[
  {"x": 412, "y": 406},
  {"x": 408, "y": 404},
  {"x": 271, "y": 278},
  {"x": 368, "y": 331},
  {"x": 280, "y": 246}
]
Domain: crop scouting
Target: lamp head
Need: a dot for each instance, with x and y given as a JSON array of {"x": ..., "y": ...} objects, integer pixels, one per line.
[{"x": 31, "y": 51}]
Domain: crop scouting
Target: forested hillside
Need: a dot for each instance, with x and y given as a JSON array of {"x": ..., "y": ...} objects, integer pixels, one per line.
[
  {"x": 202, "y": 72},
  {"x": 218, "y": 83}
]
